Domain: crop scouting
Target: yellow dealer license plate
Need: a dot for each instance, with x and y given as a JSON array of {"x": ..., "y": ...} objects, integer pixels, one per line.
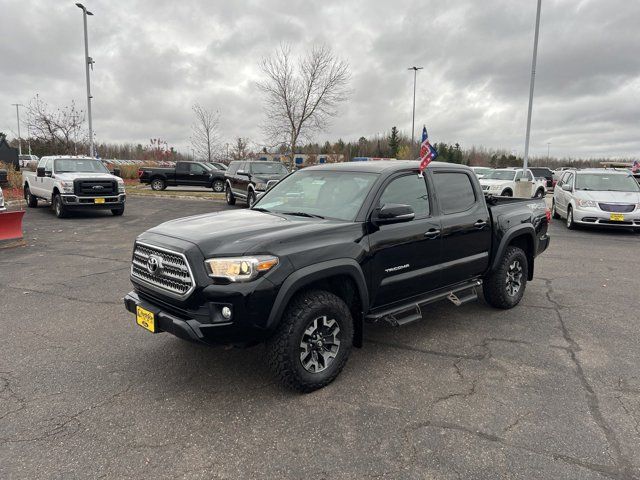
[
  {"x": 99, "y": 200},
  {"x": 616, "y": 217},
  {"x": 146, "y": 319}
]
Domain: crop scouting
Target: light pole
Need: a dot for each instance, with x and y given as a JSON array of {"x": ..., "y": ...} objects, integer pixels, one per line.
[
  {"x": 88, "y": 63},
  {"x": 533, "y": 77},
  {"x": 548, "y": 150},
  {"x": 18, "y": 105},
  {"x": 413, "y": 117}
]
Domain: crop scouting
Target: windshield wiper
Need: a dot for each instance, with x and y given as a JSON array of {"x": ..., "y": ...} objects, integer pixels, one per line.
[
  {"x": 260, "y": 209},
  {"x": 302, "y": 214}
]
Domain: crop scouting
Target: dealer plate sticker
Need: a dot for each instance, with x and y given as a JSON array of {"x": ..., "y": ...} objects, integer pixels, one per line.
[
  {"x": 146, "y": 319},
  {"x": 616, "y": 217},
  {"x": 99, "y": 200}
]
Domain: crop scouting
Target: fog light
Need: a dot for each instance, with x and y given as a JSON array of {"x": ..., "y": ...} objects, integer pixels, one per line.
[{"x": 226, "y": 312}]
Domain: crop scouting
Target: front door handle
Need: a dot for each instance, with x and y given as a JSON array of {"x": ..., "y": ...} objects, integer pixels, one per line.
[
  {"x": 480, "y": 224},
  {"x": 432, "y": 233}
]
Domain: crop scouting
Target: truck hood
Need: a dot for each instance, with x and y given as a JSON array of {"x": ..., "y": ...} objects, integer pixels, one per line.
[
  {"x": 264, "y": 178},
  {"x": 608, "y": 197},
  {"x": 238, "y": 232},
  {"x": 71, "y": 176}
]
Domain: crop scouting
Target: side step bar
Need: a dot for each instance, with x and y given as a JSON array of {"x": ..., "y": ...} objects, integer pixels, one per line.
[{"x": 411, "y": 311}]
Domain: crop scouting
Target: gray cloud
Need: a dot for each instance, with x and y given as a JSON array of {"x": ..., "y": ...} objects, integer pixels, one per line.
[{"x": 154, "y": 59}]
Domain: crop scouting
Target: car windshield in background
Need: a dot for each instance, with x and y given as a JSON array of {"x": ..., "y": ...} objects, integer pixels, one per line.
[
  {"x": 606, "y": 183},
  {"x": 319, "y": 193},
  {"x": 62, "y": 165},
  {"x": 500, "y": 175},
  {"x": 268, "y": 169}
]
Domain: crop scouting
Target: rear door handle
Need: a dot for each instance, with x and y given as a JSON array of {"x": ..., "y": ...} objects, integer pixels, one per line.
[
  {"x": 480, "y": 224},
  {"x": 432, "y": 233}
]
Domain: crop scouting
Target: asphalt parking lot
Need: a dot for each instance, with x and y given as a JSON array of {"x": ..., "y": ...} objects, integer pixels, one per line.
[{"x": 550, "y": 389}]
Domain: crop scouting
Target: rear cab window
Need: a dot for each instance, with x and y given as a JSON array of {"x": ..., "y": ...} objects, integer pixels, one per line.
[{"x": 455, "y": 191}]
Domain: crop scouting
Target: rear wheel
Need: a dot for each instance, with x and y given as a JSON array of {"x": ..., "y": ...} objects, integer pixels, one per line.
[
  {"x": 540, "y": 193},
  {"x": 218, "y": 186},
  {"x": 504, "y": 287},
  {"x": 313, "y": 341},
  {"x": 58, "y": 207},
  {"x": 228, "y": 195},
  {"x": 32, "y": 202},
  {"x": 251, "y": 198},
  {"x": 554, "y": 212},
  {"x": 158, "y": 184}
]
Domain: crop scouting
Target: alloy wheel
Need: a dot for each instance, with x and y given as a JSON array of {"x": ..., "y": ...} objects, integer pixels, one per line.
[
  {"x": 514, "y": 278},
  {"x": 320, "y": 344}
]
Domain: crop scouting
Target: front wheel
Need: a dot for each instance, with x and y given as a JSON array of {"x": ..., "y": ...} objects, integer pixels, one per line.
[
  {"x": 228, "y": 195},
  {"x": 540, "y": 193},
  {"x": 554, "y": 212},
  {"x": 117, "y": 212},
  {"x": 218, "y": 186},
  {"x": 32, "y": 202},
  {"x": 313, "y": 341},
  {"x": 504, "y": 287},
  {"x": 251, "y": 198},
  {"x": 507, "y": 193},
  {"x": 58, "y": 207},
  {"x": 571, "y": 225}
]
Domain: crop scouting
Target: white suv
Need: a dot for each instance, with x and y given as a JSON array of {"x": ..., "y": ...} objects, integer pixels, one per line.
[
  {"x": 597, "y": 197},
  {"x": 502, "y": 182}
]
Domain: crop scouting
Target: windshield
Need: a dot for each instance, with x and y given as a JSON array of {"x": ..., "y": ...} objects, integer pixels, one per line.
[
  {"x": 500, "y": 175},
  {"x": 323, "y": 193},
  {"x": 87, "y": 165},
  {"x": 606, "y": 183},
  {"x": 270, "y": 168}
]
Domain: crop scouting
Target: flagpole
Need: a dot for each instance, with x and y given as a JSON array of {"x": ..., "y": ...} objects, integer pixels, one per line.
[
  {"x": 533, "y": 77},
  {"x": 413, "y": 116}
]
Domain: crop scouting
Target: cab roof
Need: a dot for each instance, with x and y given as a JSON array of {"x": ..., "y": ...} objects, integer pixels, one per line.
[{"x": 383, "y": 166}]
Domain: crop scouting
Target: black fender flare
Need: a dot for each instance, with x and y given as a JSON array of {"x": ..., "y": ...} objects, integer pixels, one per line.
[
  {"x": 513, "y": 233},
  {"x": 319, "y": 271}
]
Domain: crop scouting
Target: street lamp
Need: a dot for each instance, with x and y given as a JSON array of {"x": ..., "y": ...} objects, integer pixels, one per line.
[
  {"x": 413, "y": 117},
  {"x": 18, "y": 105},
  {"x": 88, "y": 63},
  {"x": 548, "y": 150}
]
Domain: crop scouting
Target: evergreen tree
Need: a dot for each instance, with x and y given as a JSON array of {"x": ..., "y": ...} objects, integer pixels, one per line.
[{"x": 394, "y": 142}]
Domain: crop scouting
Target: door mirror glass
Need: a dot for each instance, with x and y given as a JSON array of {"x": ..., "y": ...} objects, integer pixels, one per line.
[
  {"x": 393, "y": 213},
  {"x": 40, "y": 171},
  {"x": 116, "y": 172},
  {"x": 566, "y": 187}
]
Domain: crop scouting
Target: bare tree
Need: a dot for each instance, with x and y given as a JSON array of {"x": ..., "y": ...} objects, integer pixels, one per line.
[
  {"x": 301, "y": 96},
  {"x": 60, "y": 129},
  {"x": 240, "y": 151},
  {"x": 204, "y": 132}
]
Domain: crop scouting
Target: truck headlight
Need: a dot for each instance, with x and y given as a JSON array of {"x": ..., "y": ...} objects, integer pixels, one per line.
[
  {"x": 240, "y": 269},
  {"x": 67, "y": 187},
  {"x": 586, "y": 203},
  {"x": 120, "y": 187},
  {"x": 261, "y": 186}
]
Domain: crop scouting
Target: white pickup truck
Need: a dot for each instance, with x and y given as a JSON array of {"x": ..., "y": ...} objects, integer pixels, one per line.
[
  {"x": 74, "y": 183},
  {"x": 502, "y": 182}
]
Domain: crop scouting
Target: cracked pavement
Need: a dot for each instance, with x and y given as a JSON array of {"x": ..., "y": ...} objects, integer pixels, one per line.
[{"x": 550, "y": 389}]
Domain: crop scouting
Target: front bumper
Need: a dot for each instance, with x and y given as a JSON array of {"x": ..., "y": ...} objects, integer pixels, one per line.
[
  {"x": 597, "y": 217},
  {"x": 74, "y": 202}
]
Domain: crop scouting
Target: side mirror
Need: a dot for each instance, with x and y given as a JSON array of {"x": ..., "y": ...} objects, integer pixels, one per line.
[
  {"x": 566, "y": 187},
  {"x": 40, "y": 172},
  {"x": 242, "y": 173},
  {"x": 116, "y": 172},
  {"x": 393, "y": 213}
]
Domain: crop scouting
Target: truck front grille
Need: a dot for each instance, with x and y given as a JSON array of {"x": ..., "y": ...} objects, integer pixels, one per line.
[
  {"x": 163, "y": 270},
  {"x": 617, "y": 207},
  {"x": 95, "y": 188}
]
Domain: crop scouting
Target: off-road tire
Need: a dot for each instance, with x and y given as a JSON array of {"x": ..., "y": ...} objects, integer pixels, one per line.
[
  {"x": 494, "y": 286},
  {"x": 58, "y": 206},
  {"x": 283, "y": 348},
  {"x": 218, "y": 186},
  {"x": 228, "y": 195},
  {"x": 554, "y": 211},
  {"x": 158, "y": 184},
  {"x": 117, "y": 211},
  {"x": 32, "y": 202}
]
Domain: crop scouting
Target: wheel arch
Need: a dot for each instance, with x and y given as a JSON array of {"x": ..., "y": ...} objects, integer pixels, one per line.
[
  {"x": 522, "y": 237},
  {"x": 342, "y": 277}
]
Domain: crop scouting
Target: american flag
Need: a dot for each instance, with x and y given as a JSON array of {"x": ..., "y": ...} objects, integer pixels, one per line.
[
  {"x": 427, "y": 152},
  {"x": 635, "y": 168}
]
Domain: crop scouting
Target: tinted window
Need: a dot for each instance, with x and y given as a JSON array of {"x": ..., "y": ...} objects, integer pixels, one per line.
[
  {"x": 197, "y": 169},
  {"x": 233, "y": 167},
  {"x": 267, "y": 168},
  {"x": 455, "y": 192},
  {"x": 182, "y": 167},
  {"x": 408, "y": 190}
]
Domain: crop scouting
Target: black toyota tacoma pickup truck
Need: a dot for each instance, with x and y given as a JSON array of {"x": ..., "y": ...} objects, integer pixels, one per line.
[
  {"x": 328, "y": 249},
  {"x": 195, "y": 174}
]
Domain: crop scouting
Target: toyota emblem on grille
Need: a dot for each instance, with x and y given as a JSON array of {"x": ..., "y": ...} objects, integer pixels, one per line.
[
  {"x": 98, "y": 187},
  {"x": 154, "y": 264}
]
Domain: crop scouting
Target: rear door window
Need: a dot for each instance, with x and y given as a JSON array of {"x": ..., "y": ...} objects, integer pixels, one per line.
[
  {"x": 454, "y": 191},
  {"x": 408, "y": 190},
  {"x": 182, "y": 168}
]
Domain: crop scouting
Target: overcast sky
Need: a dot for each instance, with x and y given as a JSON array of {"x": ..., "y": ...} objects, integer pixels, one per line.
[{"x": 155, "y": 58}]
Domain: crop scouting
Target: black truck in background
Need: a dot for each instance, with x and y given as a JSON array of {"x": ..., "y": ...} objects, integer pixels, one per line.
[
  {"x": 328, "y": 249},
  {"x": 196, "y": 174}
]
